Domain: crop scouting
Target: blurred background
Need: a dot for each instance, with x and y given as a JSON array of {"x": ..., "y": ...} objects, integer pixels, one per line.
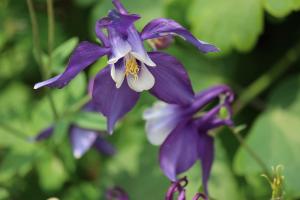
[{"x": 260, "y": 43}]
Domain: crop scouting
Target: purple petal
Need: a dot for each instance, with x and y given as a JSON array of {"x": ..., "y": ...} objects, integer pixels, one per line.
[
  {"x": 104, "y": 146},
  {"x": 179, "y": 152},
  {"x": 81, "y": 140},
  {"x": 84, "y": 55},
  {"x": 119, "y": 45},
  {"x": 44, "y": 134},
  {"x": 209, "y": 95},
  {"x": 206, "y": 155},
  {"x": 161, "y": 27},
  {"x": 172, "y": 83},
  {"x": 121, "y": 22},
  {"x": 113, "y": 102},
  {"x": 119, "y": 6},
  {"x": 100, "y": 25}
]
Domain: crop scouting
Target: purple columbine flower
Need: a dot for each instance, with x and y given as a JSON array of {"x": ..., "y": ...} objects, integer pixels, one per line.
[
  {"x": 179, "y": 187},
  {"x": 182, "y": 131},
  {"x": 160, "y": 73},
  {"x": 81, "y": 140}
]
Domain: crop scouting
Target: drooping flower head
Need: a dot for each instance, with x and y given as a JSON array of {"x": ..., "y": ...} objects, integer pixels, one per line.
[
  {"x": 82, "y": 139},
  {"x": 183, "y": 132},
  {"x": 130, "y": 68}
]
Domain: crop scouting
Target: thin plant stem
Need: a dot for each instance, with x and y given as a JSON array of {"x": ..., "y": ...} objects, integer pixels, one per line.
[
  {"x": 256, "y": 88},
  {"x": 51, "y": 31},
  {"x": 38, "y": 55},
  {"x": 264, "y": 81},
  {"x": 77, "y": 106},
  {"x": 251, "y": 152},
  {"x": 14, "y": 131}
]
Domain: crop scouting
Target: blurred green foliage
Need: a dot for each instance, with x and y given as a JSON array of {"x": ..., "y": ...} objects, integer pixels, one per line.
[{"x": 253, "y": 36}]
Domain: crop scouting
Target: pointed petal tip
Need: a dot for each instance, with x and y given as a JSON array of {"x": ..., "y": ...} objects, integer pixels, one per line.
[{"x": 77, "y": 154}]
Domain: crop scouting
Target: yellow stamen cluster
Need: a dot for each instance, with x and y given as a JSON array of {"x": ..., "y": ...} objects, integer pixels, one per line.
[{"x": 131, "y": 67}]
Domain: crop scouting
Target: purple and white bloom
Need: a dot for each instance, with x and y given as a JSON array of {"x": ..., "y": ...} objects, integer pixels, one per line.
[
  {"x": 131, "y": 69},
  {"x": 81, "y": 140},
  {"x": 182, "y": 131}
]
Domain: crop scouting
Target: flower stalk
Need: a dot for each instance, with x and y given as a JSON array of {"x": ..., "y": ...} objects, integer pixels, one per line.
[
  {"x": 37, "y": 46},
  {"x": 264, "y": 81}
]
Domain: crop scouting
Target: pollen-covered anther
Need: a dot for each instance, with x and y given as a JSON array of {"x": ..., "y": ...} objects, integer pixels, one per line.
[{"x": 132, "y": 67}]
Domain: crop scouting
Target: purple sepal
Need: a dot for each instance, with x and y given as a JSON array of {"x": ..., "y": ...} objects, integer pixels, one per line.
[
  {"x": 104, "y": 146},
  {"x": 81, "y": 140},
  {"x": 121, "y": 22},
  {"x": 84, "y": 55},
  {"x": 44, "y": 134},
  {"x": 113, "y": 102},
  {"x": 116, "y": 193},
  {"x": 161, "y": 27},
  {"x": 119, "y": 6},
  {"x": 179, "y": 151},
  {"x": 172, "y": 83},
  {"x": 206, "y": 155}
]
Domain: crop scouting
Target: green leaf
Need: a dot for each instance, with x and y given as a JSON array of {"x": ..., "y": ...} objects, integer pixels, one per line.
[
  {"x": 90, "y": 120},
  {"x": 61, "y": 130},
  {"x": 52, "y": 174},
  {"x": 14, "y": 60},
  {"x": 15, "y": 163},
  {"x": 274, "y": 137},
  {"x": 62, "y": 53},
  {"x": 279, "y": 8},
  {"x": 82, "y": 191},
  {"x": 231, "y": 24},
  {"x": 3, "y": 193},
  {"x": 71, "y": 94},
  {"x": 15, "y": 99}
]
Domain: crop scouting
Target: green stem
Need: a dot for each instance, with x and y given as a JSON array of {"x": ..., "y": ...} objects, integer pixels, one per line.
[
  {"x": 260, "y": 85},
  {"x": 38, "y": 55},
  {"x": 14, "y": 131},
  {"x": 78, "y": 105},
  {"x": 51, "y": 31},
  {"x": 35, "y": 33},
  {"x": 251, "y": 152},
  {"x": 264, "y": 81}
]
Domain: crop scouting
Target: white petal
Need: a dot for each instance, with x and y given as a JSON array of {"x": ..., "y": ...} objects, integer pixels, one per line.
[
  {"x": 145, "y": 80},
  {"x": 144, "y": 58},
  {"x": 119, "y": 46},
  {"x": 117, "y": 75},
  {"x": 137, "y": 47},
  {"x": 161, "y": 119}
]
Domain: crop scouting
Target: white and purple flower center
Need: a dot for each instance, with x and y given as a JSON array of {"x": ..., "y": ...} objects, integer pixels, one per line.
[{"x": 132, "y": 67}]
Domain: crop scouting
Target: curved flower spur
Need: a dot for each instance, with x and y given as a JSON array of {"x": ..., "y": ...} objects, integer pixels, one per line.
[
  {"x": 158, "y": 72},
  {"x": 183, "y": 133}
]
